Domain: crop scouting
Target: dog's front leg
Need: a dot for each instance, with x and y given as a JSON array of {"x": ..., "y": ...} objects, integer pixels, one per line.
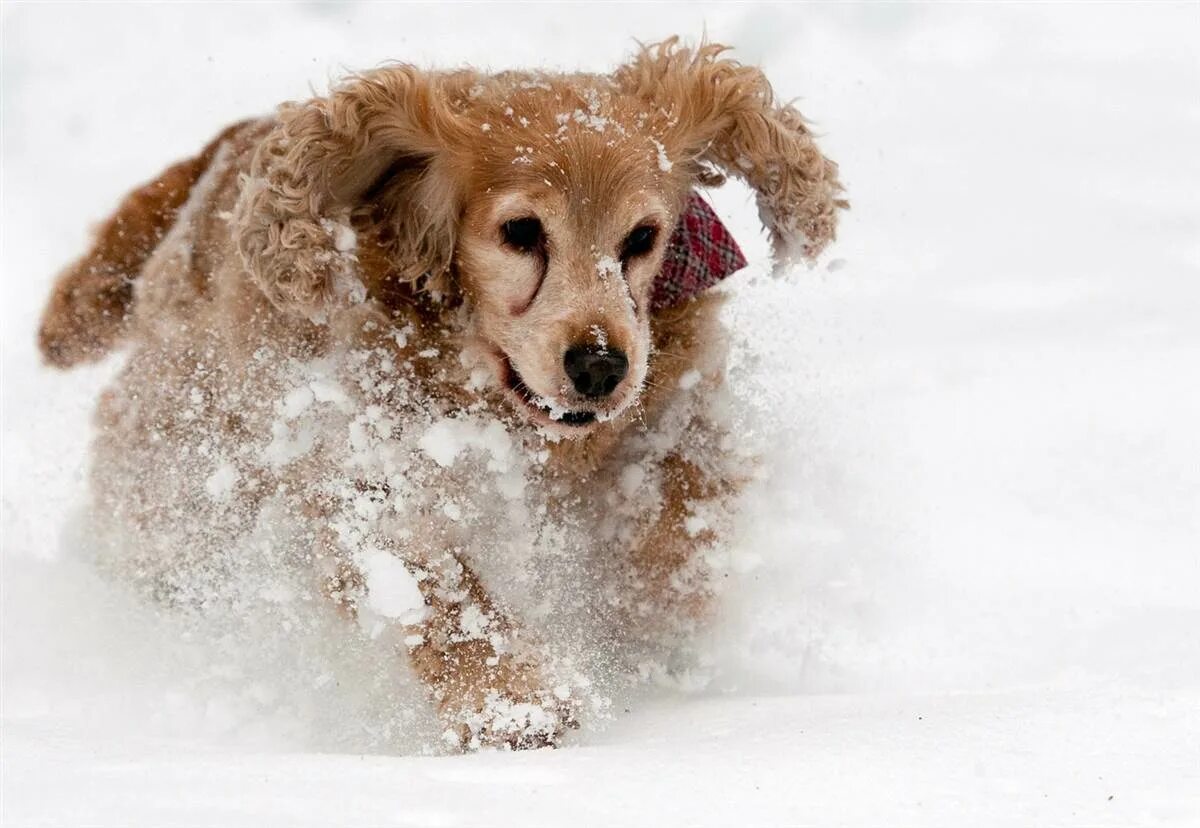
[
  {"x": 489, "y": 685},
  {"x": 487, "y": 681},
  {"x": 670, "y": 590}
]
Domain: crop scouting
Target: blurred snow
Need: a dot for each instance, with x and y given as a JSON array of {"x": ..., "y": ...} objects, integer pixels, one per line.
[{"x": 968, "y": 592}]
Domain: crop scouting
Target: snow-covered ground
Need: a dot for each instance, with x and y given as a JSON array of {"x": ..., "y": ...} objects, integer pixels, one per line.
[{"x": 969, "y": 593}]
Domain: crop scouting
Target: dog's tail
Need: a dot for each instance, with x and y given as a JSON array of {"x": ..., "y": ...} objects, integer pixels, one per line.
[{"x": 91, "y": 300}]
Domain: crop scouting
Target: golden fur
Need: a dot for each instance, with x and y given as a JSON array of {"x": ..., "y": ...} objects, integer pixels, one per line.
[{"x": 378, "y": 208}]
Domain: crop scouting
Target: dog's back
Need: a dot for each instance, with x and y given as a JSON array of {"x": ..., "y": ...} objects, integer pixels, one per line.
[
  {"x": 91, "y": 301},
  {"x": 164, "y": 276}
]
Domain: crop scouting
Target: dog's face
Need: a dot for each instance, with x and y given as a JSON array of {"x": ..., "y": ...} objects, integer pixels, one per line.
[
  {"x": 544, "y": 200},
  {"x": 567, "y": 214}
]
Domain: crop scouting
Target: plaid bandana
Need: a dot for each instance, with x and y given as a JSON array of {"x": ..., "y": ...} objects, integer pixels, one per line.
[{"x": 701, "y": 253}]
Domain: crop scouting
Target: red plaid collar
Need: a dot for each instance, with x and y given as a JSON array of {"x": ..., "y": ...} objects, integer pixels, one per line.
[{"x": 701, "y": 253}]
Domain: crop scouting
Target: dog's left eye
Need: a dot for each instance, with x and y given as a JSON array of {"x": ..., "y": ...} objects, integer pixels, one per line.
[
  {"x": 639, "y": 241},
  {"x": 525, "y": 234}
]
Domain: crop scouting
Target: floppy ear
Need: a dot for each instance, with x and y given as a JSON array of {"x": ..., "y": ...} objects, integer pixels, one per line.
[
  {"x": 722, "y": 113},
  {"x": 377, "y": 146}
]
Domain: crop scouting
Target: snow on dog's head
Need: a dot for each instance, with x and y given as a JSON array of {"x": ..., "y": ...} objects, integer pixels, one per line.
[{"x": 542, "y": 201}]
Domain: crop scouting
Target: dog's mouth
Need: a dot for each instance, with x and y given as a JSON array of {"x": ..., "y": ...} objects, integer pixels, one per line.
[{"x": 541, "y": 408}]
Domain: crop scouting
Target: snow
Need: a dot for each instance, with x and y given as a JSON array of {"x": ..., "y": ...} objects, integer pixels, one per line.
[
  {"x": 345, "y": 240},
  {"x": 391, "y": 590},
  {"x": 599, "y": 336},
  {"x": 607, "y": 267},
  {"x": 449, "y": 437},
  {"x": 688, "y": 379},
  {"x": 632, "y": 477},
  {"x": 967, "y": 586},
  {"x": 220, "y": 483},
  {"x": 664, "y": 162},
  {"x": 297, "y": 401}
]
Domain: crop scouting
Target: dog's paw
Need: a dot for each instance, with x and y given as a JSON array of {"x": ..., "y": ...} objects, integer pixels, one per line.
[{"x": 533, "y": 720}]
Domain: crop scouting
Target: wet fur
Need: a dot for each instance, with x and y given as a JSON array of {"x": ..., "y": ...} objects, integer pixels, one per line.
[{"x": 236, "y": 250}]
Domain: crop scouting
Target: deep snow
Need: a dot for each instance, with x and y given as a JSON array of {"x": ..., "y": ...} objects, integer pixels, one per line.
[{"x": 969, "y": 591}]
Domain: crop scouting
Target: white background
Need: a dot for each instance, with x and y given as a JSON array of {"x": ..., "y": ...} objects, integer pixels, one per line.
[{"x": 968, "y": 594}]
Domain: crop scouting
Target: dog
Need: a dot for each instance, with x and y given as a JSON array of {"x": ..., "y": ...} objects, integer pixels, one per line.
[{"x": 432, "y": 281}]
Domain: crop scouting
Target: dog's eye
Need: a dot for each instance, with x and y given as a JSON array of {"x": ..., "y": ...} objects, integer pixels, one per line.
[
  {"x": 525, "y": 234},
  {"x": 639, "y": 241}
]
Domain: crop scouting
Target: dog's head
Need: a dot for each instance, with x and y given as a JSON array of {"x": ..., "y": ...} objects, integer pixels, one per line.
[{"x": 544, "y": 200}]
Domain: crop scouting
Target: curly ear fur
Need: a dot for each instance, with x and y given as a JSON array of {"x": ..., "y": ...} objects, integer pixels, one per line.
[
  {"x": 383, "y": 137},
  {"x": 723, "y": 113}
]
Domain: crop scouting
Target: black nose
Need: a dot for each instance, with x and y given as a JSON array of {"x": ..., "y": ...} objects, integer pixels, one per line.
[{"x": 595, "y": 371}]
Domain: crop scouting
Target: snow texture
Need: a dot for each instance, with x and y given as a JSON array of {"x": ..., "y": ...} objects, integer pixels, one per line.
[{"x": 966, "y": 588}]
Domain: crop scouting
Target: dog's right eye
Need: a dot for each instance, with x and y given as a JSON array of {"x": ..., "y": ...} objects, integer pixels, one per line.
[{"x": 525, "y": 234}]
